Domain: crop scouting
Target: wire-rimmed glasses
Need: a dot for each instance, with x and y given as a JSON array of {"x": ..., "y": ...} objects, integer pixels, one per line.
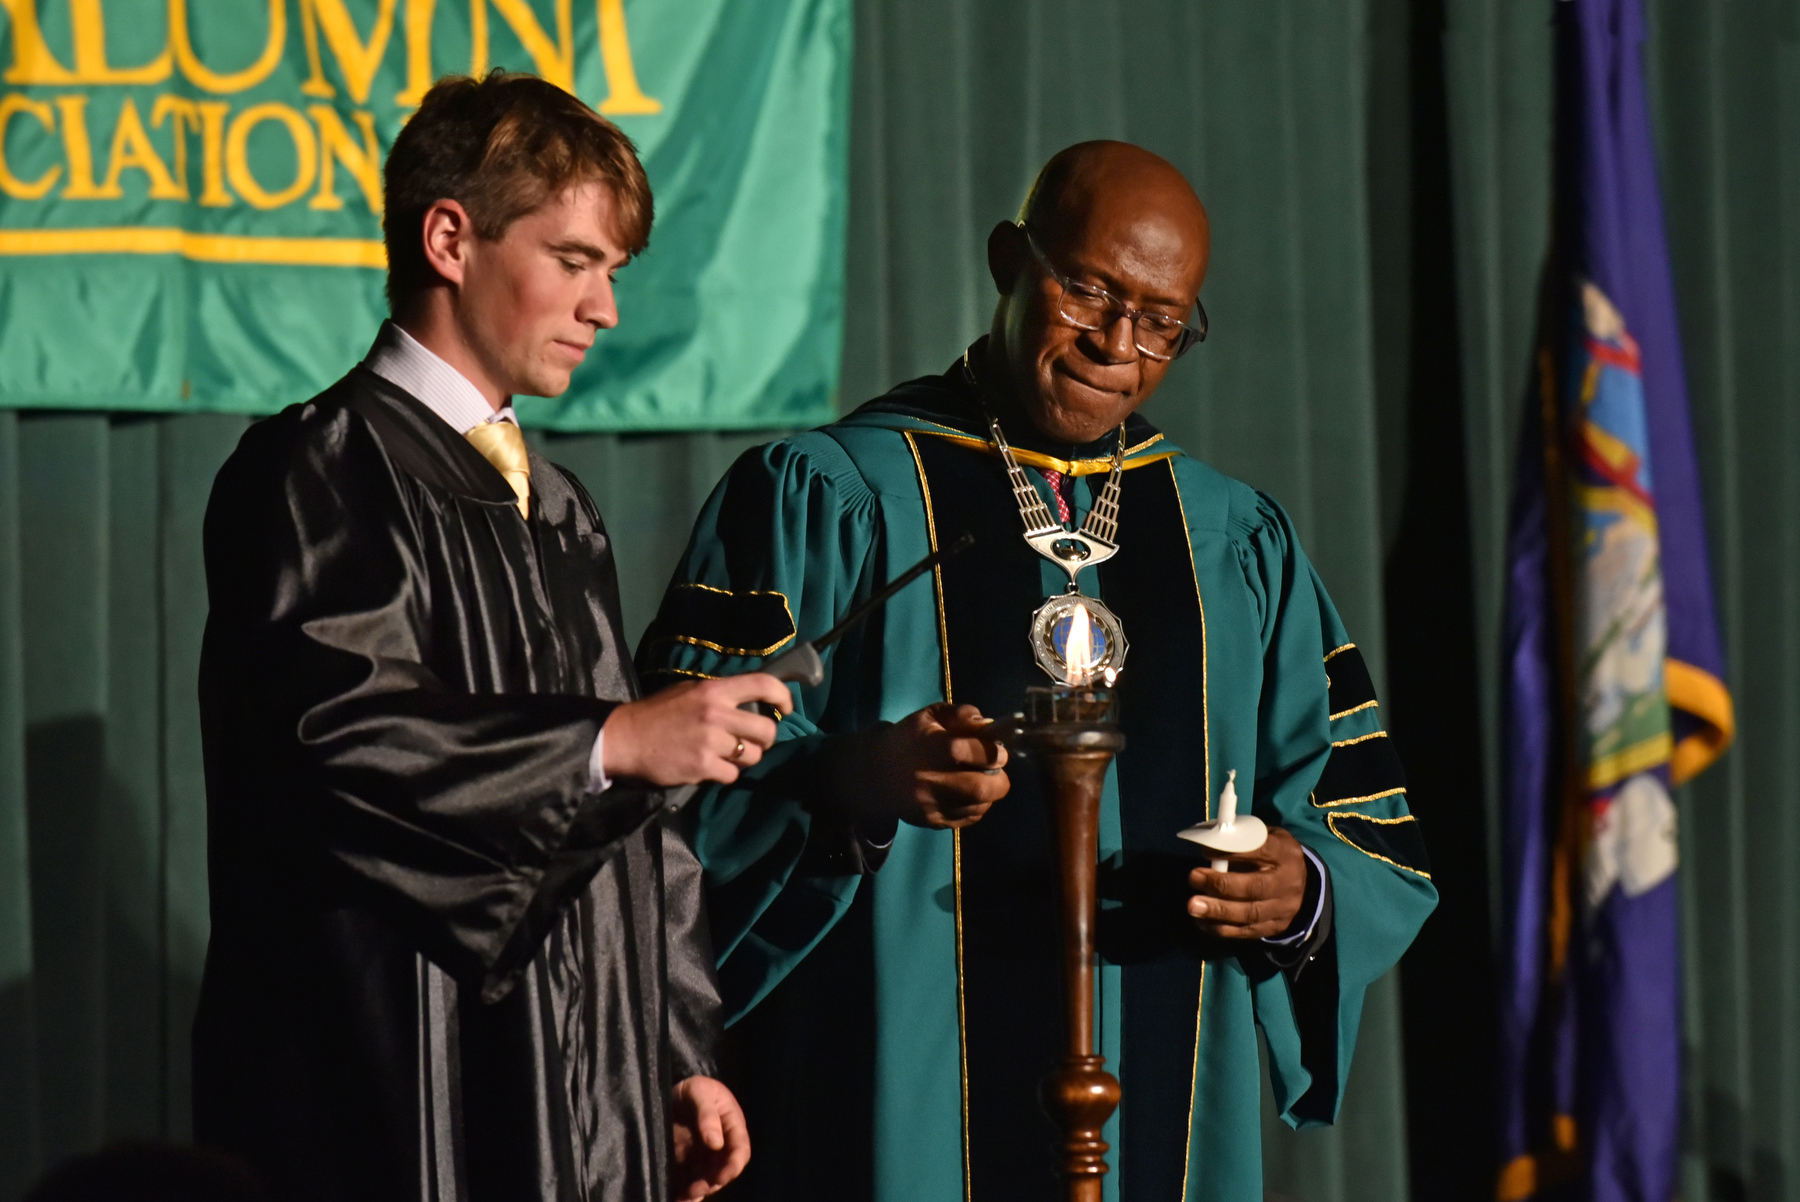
[{"x": 1156, "y": 335}]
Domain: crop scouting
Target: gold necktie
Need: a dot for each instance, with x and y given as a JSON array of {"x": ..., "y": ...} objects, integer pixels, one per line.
[{"x": 503, "y": 445}]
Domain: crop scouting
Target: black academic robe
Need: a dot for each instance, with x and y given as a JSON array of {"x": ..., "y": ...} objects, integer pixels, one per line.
[{"x": 439, "y": 967}]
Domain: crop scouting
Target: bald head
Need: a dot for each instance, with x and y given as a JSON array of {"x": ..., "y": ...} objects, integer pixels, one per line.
[
  {"x": 1111, "y": 183},
  {"x": 1107, "y": 216}
]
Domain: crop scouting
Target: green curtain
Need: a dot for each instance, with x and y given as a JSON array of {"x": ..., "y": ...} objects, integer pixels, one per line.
[
  {"x": 1726, "y": 81},
  {"x": 102, "y": 817},
  {"x": 1377, "y": 175}
]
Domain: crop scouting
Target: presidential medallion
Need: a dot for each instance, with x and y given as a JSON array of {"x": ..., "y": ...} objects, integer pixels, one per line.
[{"x": 1077, "y": 640}]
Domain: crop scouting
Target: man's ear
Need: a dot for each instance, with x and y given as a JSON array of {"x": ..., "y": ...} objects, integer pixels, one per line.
[
  {"x": 1006, "y": 255},
  {"x": 447, "y": 233}
]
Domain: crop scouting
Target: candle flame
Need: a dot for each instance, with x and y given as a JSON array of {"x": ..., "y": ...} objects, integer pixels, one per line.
[{"x": 1078, "y": 652}]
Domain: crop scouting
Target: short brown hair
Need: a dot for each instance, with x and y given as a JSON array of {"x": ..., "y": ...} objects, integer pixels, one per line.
[{"x": 501, "y": 147}]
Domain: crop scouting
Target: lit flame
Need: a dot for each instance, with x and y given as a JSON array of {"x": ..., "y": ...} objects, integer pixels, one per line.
[{"x": 1078, "y": 653}]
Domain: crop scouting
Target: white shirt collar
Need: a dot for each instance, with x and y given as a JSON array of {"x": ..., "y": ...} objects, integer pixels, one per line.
[{"x": 403, "y": 361}]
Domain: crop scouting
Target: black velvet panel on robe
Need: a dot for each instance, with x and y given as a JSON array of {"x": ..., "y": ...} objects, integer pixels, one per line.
[
  {"x": 439, "y": 968},
  {"x": 1011, "y": 953}
]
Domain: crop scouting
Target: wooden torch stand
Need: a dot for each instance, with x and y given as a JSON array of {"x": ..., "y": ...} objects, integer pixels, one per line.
[{"x": 1081, "y": 1095}]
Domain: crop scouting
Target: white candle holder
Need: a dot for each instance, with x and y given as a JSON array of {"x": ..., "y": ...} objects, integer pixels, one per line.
[{"x": 1228, "y": 833}]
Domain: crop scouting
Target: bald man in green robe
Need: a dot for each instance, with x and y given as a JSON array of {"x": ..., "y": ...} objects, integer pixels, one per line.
[{"x": 883, "y": 907}]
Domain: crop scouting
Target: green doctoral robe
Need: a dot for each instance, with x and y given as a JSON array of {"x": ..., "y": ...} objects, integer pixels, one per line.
[{"x": 905, "y": 1013}]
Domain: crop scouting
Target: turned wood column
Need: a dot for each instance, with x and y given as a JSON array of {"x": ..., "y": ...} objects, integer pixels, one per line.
[{"x": 1080, "y": 1095}]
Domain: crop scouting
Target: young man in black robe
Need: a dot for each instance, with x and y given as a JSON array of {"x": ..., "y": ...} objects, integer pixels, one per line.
[{"x": 456, "y": 953}]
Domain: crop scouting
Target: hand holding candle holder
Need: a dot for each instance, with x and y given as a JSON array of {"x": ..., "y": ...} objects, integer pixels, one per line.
[
  {"x": 1070, "y": 731},
  {"x": 1228, "y": 833}
]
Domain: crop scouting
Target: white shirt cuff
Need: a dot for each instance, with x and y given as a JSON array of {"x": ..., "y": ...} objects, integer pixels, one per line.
[
  {"x": 1318, "y": 906},
  {"x": 597, "y": 780}
]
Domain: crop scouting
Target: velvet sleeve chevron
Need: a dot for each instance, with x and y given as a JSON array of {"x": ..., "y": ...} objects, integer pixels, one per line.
[
  {"x": 751, "y": 623},
  {"x": 1363, "y": 767}
]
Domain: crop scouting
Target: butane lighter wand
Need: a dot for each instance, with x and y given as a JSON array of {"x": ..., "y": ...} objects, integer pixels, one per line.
[{"x": 801, "y": 665}]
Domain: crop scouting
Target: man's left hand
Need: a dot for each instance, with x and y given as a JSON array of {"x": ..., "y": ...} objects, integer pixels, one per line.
[
  {"x": 712, "y": 1142},
  {"x": 1260, "y": 898}
]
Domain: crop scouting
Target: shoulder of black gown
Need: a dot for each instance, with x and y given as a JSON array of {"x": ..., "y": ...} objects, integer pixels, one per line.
[
  {"x": 418, "y": 440},
  {"x": 577, "y": 490},
  {"x": 363, "y": 413}
]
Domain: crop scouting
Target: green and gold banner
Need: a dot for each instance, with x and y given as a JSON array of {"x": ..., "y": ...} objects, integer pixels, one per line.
[{"x": 190, "y": 196}]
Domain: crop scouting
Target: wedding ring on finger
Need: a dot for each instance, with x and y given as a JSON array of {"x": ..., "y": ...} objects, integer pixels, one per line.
[{"x": 736, "y": 752}]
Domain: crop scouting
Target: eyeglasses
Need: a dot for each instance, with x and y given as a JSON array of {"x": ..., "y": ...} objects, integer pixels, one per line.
[{"x": 1156, "y": 335}]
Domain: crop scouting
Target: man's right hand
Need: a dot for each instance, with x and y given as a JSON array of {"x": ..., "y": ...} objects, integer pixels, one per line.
[
  {"x": 693, "y": 731},
  {"x": 937, "y": 768}
]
